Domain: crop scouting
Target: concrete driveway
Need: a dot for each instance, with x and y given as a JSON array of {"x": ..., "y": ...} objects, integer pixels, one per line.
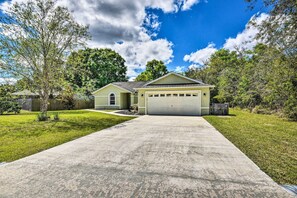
[{"x": 150, "y": 156}]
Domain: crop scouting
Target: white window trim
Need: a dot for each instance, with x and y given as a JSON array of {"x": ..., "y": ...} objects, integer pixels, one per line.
[{"x": 115, "y": 99}]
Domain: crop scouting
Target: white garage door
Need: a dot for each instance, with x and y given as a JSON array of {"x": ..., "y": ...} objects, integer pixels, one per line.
[{"x": 174, "y": 103}]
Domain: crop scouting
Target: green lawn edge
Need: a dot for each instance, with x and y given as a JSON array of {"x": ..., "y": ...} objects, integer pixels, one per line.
[
  {"x": 269, "y": 141},
  {"x": 21, "y": 135}
]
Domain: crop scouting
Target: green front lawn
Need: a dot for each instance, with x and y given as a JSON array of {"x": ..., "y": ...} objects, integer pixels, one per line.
[
  {"x": 269, "y": 141},
  {"x": 21, "y": 135}
]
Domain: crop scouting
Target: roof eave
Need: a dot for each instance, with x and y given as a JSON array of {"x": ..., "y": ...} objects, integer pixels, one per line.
[
  {"x": 202, "y": 86},
  {"x": 93, "y": 93},
  {"x": 173, "y": 73}
]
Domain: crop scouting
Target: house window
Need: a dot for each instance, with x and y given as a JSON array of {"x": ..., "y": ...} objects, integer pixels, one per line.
[
  {"x": 181, "y": 95},
  {"x": 162, "y": 95},
  {"x": 174, "y": 95},
  {"x": 168, "y": 95},
  {"x": 188, "y": 95},
  {"x": 112, "y": 99},
  {"x": 195, "y": 95},
  {"x": 156, "y": 95},
  {"x": 150, "y": 95}
]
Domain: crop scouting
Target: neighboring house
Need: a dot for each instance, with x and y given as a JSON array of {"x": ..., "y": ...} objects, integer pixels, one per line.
[
  {"x": 171, "y": 94},
  {"x": 25, "y": 94}
]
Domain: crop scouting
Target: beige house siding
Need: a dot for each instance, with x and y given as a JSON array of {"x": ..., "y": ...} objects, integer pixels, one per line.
[
  {"x": 141, "y": 102},
  {"x": 204, "y": 98},
  {"x": 102, "y": 98},
  {"x": 134, "y": 99},
  {"x": 125, "y": 98},
  {"x": 172, "y": 79}
]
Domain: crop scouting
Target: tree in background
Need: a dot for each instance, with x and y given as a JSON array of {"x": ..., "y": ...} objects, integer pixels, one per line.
[
  {"x": 90, "y": 69},
  {"x": 223, "y": 70},
  {"x": 279, "y": 31},
  {"x": 199, "y": 73},
  {"x": 154, "y": 69},
  {"x": 6, "y": 90},
  {"x": 258, "y": 79},
  {"x": 35, "y": 37}
]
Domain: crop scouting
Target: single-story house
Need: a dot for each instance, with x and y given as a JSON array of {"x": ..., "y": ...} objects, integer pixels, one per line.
[{"x": 171, "y": 94}]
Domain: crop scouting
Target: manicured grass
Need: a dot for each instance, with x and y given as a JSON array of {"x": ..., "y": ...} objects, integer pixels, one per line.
[
  {"x": 109, "y": 110},
  {"x": 21, "y": 135},
  {"x": 269, "y": 141}
]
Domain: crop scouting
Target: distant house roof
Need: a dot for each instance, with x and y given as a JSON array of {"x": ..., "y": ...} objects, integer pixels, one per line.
[
  {"x": 24, "y": 93},
  {"x": 130, "y": 86}
]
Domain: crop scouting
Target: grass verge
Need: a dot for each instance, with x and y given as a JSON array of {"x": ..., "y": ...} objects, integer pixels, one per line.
[
  {"x": 21, "y": 135},
  {"x": 269, "y": 141}
]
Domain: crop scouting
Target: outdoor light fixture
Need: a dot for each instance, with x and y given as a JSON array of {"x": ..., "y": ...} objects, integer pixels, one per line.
[{"x": 204, "y": 94}]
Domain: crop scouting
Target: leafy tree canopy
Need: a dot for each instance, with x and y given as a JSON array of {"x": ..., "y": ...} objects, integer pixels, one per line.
[
  {"x": 154, "y": 69},
  {"x": 279, "y": 30},
  {"x": 261, "y": 78},
  {"x": 35, "y": 37},
  {"x": 90, "y": 69}
]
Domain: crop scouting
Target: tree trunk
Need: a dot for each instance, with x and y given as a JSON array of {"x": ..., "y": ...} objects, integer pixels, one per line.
[{"x": 44, "y": 102}]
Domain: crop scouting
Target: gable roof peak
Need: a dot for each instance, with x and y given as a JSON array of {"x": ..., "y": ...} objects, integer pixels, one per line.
[{"x": 176, "y": 74}]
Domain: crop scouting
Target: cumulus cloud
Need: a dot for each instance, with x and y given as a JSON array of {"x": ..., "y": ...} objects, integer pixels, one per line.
[
  {"x": 201, "y": 56},
  {"x": 137, "y": 54},
  {"x": 125, "y": 26},
  {"x": 187, "y": 4},
  {"x": 179, "y": 69},
  {"x": 245, "y": 40}
]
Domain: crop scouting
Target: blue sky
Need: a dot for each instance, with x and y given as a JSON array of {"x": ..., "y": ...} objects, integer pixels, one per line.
[
  {"x": 182, "y": 33},
  {"x": 211, "y": 22}
]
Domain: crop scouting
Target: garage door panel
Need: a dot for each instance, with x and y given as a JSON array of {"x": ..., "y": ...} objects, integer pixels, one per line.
[{"x": 174, "y": 103}]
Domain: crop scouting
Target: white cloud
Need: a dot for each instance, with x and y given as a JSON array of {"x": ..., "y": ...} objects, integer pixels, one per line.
[
  {"x": 179, "y": 69},
  {"x": 245, "y": 39},
  {"x": 187, "y": 4},
  {"x": 137, "y": 54},
  {"x": 7, "y": 80},
  {"x": 126, "y": 22},
  {"x": 193, "y": 66},
  {"x": 201, "y": 56}
]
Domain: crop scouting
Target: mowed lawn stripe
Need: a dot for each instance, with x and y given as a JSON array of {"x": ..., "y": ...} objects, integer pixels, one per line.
[{"x": 21, "y": 135}]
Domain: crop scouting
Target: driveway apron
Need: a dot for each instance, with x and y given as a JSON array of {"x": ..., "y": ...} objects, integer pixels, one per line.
[{"x": 150, "y": 156}]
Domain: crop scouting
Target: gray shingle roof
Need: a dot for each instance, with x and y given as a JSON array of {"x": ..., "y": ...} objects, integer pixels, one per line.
[
  {"x": 130, "y": 85},
  {"x": 141, "y": 84},
  {"x": 24, "y": 93}
]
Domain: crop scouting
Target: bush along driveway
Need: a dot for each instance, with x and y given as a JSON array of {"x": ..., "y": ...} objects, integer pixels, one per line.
[
  {"x": 21, "y": 135},
  {"x": 271, "y": 142}
]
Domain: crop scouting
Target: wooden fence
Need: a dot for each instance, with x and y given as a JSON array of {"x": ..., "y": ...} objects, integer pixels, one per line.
[{"x": 54, "y": 104}]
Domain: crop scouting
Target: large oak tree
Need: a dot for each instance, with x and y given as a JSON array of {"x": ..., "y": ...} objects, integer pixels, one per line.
[{"x": 91, "y": 69}]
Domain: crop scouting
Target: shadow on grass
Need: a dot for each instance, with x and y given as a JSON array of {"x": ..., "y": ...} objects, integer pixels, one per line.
[
  {"x": 229, "y": 115},
  {"x": 90, "y": 123}
]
